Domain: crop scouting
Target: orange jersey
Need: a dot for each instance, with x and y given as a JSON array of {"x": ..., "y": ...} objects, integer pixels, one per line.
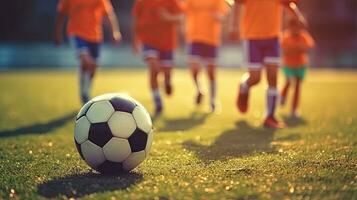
[
  {"x": 260, "y": 19},
  {"x": 85, "y": 17},
  {"x": 290, "y": 41},
  {"x": 151, "y": 29},
  {"x": 202, "y": 23}
]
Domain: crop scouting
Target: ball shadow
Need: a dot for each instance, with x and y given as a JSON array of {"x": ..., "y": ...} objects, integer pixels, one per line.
[
  {"x": 183, "y": 124},
  {"x": 241, "y": 141},
  {"x": 39, "y": 128},
  {"x": 79, "y": 185}
]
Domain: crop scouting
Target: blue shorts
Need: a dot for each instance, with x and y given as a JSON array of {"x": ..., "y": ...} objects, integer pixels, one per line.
[
  {"x": 202, "y": 52},
  {"x": 261, "y": 52},
  {"x": 166, "y": 58},
  {"x": 83, "y": 46}
]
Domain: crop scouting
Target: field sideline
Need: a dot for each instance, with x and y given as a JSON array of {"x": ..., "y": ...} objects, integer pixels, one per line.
[{"x": 195, "y": 155}]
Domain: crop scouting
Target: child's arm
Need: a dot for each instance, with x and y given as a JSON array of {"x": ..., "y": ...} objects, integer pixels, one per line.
[
  {"x": 59, "y": 23},
  {"x": 114, "y": 26},
  {"x": 292, "y": 8}
]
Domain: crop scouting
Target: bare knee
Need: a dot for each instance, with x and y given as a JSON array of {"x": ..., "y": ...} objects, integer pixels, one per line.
[
  {"x": 153, "y": 65},
  {"x": 254, "y": 78},
  {"x": 195, "y": 67}
]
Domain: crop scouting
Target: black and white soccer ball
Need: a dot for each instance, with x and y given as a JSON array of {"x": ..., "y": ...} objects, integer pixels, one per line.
[{"x": 113, "y": 133}]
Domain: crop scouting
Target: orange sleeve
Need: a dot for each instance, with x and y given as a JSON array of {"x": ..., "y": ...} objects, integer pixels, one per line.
[
  {"x": 62, "y": 6},
  {"x": 107, "y": 6},
  {"x": 309, "y": 41}
]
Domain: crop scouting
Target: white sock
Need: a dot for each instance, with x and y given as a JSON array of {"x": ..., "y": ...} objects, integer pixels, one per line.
[
  {"x": 156, "y": 94},
  {"x": 272, "y": 95}
]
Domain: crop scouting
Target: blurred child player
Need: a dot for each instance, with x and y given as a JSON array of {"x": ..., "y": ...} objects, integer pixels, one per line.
[
  {"x": 260, "y": 27},
  {"x": 155, "y": 26},
  {"x": 85, "y": 18},
  {"x": 296, "y": 42},
  {"x": 203, "y": 34}
]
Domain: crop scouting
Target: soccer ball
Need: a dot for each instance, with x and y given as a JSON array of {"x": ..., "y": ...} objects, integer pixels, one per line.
[{"x": 113, "y": 133}]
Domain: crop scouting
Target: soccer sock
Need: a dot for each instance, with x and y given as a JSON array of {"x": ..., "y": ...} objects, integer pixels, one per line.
[
  {"x": 156, "y": 97},
  {"x": 272, "y": 95}
]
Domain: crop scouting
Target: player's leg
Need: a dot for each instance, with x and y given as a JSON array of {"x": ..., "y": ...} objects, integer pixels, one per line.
[
  {"x": 151, "y": 59},
  {"x": 272, "y": 63},
  {"x": 210, "y": 55},
  {"x": 211, "y": 72},
  {"x": 166, "y": 66},
  {"x": 254, "y": 62},
  {"x": 300, "y": 75},
  {"x": 272, "y": 93},
  {"x": 88, "y": 65},
  {"x": 296, "y": 98},
  {"x": 285, "y": 90},
  {"x": 195, "y": 67}
]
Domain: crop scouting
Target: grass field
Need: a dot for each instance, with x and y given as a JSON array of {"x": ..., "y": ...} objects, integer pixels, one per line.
[{"x": 195, "y": 155}]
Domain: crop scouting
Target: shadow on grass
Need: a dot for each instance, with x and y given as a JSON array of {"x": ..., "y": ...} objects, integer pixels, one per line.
[
  {"x": 240, "y": 141},
  {"x": 79, "y": 185},
  {"x": 294, "y": 121},
  {"x": 183, "y": 124},
  {"x": 40, "y": 128}
]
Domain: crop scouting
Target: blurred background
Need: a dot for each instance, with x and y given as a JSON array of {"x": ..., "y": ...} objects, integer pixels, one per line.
[{"x": 26, "y": 34}]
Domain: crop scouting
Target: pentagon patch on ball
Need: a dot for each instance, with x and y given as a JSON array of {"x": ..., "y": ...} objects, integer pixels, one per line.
[{"x": 113, "y": 133}]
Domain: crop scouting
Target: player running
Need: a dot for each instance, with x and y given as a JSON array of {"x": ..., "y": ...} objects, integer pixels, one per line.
[
  {"x": 155, "y": 27},
  {"x": 84, "y": 28},
  {"x": 203, "y": 34},
  {"x": 296, "y": 42},
  {"x": 260, "y": 27}
]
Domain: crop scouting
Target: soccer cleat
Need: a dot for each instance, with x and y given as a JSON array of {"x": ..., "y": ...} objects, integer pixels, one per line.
[
  {"x": 199, "y": 98},
  {"x": 242, "y": 100},
  {"x": 271, "y": 122}
]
